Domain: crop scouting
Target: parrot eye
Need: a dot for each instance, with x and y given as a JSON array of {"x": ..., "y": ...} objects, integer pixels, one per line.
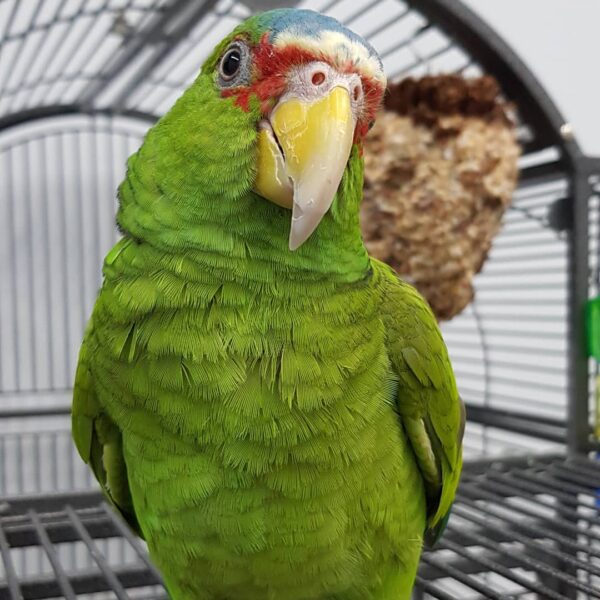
[
  {"x": 234, "y": 68},
  {"x": 231, "y": 63}
]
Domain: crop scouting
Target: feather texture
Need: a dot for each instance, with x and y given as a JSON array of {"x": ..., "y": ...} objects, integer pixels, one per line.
[{"x": 242, "y": 405}]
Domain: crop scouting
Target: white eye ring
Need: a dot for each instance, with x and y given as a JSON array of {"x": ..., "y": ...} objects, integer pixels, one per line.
[{"x": 234, "y": 66}]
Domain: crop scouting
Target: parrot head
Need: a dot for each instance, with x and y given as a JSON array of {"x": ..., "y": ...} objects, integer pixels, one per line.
[{"x": 309, "y": 89}]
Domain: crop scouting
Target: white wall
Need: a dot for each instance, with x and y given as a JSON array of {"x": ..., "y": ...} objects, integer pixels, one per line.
[{"x": 560, "y": 42}]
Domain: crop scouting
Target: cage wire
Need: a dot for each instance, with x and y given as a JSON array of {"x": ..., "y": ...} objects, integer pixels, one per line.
[
  {"x": 80, "y": 83},
  {"x": 526, "y": 528}
]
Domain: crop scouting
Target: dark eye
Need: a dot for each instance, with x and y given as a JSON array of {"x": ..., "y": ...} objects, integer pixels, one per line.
[
  {"x": 235, "y": 66},
  {"x": 230, "y": 63}
]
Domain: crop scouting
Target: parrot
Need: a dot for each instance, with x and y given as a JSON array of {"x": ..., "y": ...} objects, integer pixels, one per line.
[{"x": 273, "y": 411}]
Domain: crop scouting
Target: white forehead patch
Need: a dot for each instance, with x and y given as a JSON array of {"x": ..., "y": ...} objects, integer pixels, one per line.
[{"x": 339, "y": 47}]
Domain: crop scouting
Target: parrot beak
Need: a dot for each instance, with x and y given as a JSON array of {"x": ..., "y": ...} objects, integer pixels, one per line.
[{"x": 302, "y": 156}]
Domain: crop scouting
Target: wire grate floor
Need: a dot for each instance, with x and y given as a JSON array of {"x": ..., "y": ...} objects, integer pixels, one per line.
[{"x": 526, "y": 528}]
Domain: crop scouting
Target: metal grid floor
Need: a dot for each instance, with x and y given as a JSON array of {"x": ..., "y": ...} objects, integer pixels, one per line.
[{"x": 528, "y": 528}]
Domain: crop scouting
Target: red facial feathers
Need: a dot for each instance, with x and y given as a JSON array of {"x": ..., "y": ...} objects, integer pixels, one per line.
[{"x": 272, "y": 64}]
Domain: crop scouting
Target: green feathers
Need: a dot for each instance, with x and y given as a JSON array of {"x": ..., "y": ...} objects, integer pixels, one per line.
[
  {"x": 275, "y": 424},
  {"x": 428, "y": 401}
]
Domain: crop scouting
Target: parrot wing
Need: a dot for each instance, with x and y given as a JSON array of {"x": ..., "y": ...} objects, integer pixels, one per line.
[
  {"x": 430, "y": 408},
  {"x": 98, "y": 440}
]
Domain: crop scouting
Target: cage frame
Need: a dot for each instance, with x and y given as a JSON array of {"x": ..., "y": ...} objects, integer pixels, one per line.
[
  {"x": 549, "y": 128},
  {"x": 538, "y": 108},
  {"x": 518, "y": 83}
]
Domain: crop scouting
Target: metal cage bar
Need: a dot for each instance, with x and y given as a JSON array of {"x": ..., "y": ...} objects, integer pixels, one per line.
[
  {"x": 464, "y": 30},
  {"x": 502, "y": 543},
  {"x": 520, "y": 527}
]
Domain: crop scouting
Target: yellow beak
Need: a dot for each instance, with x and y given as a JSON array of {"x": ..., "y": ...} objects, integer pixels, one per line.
[{"x": 316, "y": 140}]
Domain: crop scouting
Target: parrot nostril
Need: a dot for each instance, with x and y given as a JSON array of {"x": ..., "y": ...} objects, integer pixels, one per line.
[{"x": 318, "y": 78}]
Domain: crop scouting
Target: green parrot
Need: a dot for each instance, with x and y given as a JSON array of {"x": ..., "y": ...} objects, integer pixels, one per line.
[{"x": 272, "y": 410}]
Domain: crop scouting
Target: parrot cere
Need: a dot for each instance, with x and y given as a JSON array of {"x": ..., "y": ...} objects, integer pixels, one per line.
[
  {"x": 272, "y": 410},
  {"x": 440, "y": 171}
]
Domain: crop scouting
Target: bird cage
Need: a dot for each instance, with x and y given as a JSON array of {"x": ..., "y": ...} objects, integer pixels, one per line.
[{"x": 80, "y": 83}]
